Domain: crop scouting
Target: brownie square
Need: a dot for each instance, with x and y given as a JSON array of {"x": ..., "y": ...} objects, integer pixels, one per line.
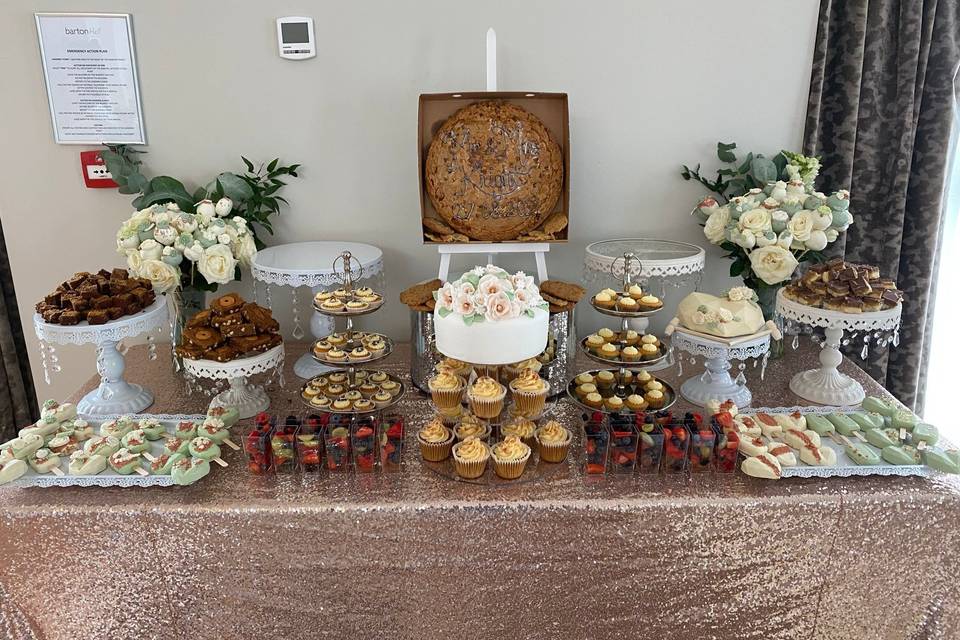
[
  {"x": 239, "y": 330},
  {"x": 70, "y": 317},
  {"x": 115, "y": 312},
  {"x": 118, "y": 287},
  {"x": 98, "y": 316},
  {"x": 53, "y": 299},
  {"x": 226, "y": 320},
  {"x": 103, "y": 273},
  {"x": 201, "y": 319},
  {"x": 78, "y": 304},
  {"x": 77, "y": 280},
  {"x": 140, "y": 294},
  {"x": 52, "y": 316},
  {"x": 89, "y": 291},
  {"x": 119, "y": 274},
  {"x": 101, "y": 302},
  {"x": 132, "y": 308}
]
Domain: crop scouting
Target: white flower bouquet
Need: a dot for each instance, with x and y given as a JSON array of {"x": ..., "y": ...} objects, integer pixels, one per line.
[{"x": 489, "y": 294}]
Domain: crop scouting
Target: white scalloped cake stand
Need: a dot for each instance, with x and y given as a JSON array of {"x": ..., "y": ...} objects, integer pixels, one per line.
[
  {"x": 310, "y": 264},
  {"x": 248, "y": 399},
  {"x": 114, "y": 395},
  {"x": 715, "y": 382},
  {"x": 826, "y": 385}
]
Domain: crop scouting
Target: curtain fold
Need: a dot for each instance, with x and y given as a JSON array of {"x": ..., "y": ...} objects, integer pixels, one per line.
[
  {"x": 18, "y": 397},
  {"x": 882, "y": 92}
]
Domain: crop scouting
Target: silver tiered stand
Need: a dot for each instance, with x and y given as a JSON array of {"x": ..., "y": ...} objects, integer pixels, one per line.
[
  {"x": 308, "y": 264},
  {"x": 826, "y": 385},
  {"x": 660, "y": 264},
  {"x": 114, "y": 395}
]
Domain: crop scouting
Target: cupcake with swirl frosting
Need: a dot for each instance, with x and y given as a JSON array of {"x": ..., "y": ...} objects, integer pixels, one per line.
[
  {"x": 521, "y": 427},
  {"x": 471, "y": 425},
  {"x": 529, "y": 392},
  {"x": 470, "y": 458},
  {"x": 486, "y": 397},
  {"x": 435, "y": 441},
  {"x": 510, "y": 458},
  {"x": 553, "y": 441},
  {"x": 446, "y": 389}
]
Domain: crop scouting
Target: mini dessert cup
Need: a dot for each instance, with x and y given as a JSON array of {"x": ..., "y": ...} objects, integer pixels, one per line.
[
  {"x": 363, "y": 442},
  {"x": 256, "y": 446},
  {"x": 446, "y": 398},
  {"x": 283, "y": 446},
  {"x": 676, "y": 442},
  {"x": 508, "y": 468},
  {"x": 436, "y": 451},
  {"x": 487, "y": 407},
  {"x": 623, "y": 444},
  {"x": 553, "y": 450},
  {"x": 337, "y": 443},
  {"x": 703, "y": 441},
  {"x": 309, "y": 445},
  {"x": 530, "y": 403},
  {"x": 651, "y": 447},
  {"x": 391, "y": 443},
  {"x": 470, "y": 468},
  {"x": 596, "y": 443}
]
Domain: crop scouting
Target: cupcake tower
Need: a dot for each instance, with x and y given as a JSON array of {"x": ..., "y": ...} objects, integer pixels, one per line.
[
  {"x": 619, "y": 389},
  {"x": 354, "y": 391}
]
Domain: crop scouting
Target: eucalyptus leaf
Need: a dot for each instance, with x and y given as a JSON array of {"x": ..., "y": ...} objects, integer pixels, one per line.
[
  {"x": 763, "y": 170},
  {"x": 725, "y": 151},
  {"x": 234, "y": 187}
]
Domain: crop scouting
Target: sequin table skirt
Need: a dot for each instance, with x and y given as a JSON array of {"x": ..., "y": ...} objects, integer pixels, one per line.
[{"x": 415, "y": 555}]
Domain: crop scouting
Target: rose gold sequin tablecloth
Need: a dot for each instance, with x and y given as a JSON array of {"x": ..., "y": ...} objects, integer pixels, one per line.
[{"x": 416, "y": 555}]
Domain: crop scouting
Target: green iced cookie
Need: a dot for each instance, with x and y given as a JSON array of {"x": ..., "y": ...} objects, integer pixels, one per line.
[
  {"x": 135, "y": 441},
  {"x": 102, "y": 446},
  {"x": 186, "y": 430},
  {"x": 900, "y": 455},
  {"x": 844, "y": 424},
  {"x": 152, "y": 427},
  {"x": 819, "y": 424},
  {"x": 162, "y": 465},
  {"x": 861, "y": 454},
  {"x": 867, "y": 420},
  {"x": 229, "y": 415},
  {"x": 924, "y": 432},
  {"x": 880, "y": 438},
  {"x": 189, "y": 470},
  {"x": 205, "y": 448},
  {"x": 176, "y": 445},
  {"x": 124, "y": 462},
  {"x": 876, "y": 405},
  {"x": 214, "y": 431},
  {"x": 945, "y": 461}
]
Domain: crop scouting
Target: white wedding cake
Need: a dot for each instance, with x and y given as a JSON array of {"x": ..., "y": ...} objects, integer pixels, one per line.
[{"x": 489, "y": 316}]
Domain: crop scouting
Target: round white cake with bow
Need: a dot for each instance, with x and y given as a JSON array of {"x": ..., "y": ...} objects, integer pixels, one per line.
[{"x": 489, "y": 316}]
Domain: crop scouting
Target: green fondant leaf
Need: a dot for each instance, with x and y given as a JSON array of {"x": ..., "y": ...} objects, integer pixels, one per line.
[{"x": 444, "y": 312}]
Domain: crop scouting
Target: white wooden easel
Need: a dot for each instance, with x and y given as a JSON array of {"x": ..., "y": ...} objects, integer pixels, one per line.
[{"x": 539, "y": 249}]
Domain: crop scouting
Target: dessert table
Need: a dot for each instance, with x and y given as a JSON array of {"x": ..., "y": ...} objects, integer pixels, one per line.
[{"x": 417, "y": 555}]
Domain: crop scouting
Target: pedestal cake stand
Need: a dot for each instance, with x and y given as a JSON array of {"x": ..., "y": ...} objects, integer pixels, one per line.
[
  {"x": 826, "y": 385},
  {"x": 249, "y": 399},
  {"x": 308, "y": 264},
  {"x": 715, "y": 382},
  {"x": 114, "y": 395}
]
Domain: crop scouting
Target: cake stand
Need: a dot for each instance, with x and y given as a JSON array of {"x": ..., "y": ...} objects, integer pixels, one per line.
[
  {"x": 715, "y": 383},
  {"x": 248, "y": 399},
  {"x": 826, "y": 385},
  {"x": 307, "y": 264},
  {"x": 114, "y": 395}
]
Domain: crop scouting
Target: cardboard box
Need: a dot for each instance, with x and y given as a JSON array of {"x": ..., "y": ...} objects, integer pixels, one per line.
[{"x": 550, "y": 108}]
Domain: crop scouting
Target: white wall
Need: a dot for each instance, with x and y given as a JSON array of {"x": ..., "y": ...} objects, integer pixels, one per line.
[{"x": 652, "y": 85}]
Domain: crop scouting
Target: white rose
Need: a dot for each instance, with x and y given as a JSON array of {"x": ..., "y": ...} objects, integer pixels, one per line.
[
  {"x": 746, "y": 239},
  {"x": 193, "y": 252},
  {"x": 773, "y": 264},
  {"x": 724, "y": 314},
  {"x": 206, "y": 210},
  {"x": 491, "y": 284},
  {"x": 817, "y": 240},
  {"x": 446, "y": 296},
  {"x": 740, "y": 293},
  {"x": 164, "y": 277},
  {"x": 800, "y": 225},
  {"x": 698, "y": 317},
  {"x": 217, "y": 264},
  {"x": 162, "y": 216},
  {"x": 716, "y": 225},
  {"x": 134, "y": 261},
  {"x": 498, "y": 307},
  {"x": 150, "y": 249},
  {"x": 224, "y": 238},
  {"x": 244, "y": 248},
  {"x": 832, "y": 234},
  {"x": 223, "y": 207},
  {"x": 756, "y": 221}
]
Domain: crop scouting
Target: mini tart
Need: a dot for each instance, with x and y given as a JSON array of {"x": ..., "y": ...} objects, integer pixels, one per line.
[
  {"x": 341, "y": 404},
  {"x": 323, "y": 296},
  {"x": 333, "y": 304},
  {"x": 636, "y": 402},
  {"x": 553, "y": 441},
  {"x": 382, "y": 398},
  {"x": 584, "y": 389},
  {"x": 336, "y": 355},
  {"x": 650, "y": 339},
  {"x": 655, "y": 399},
  {"x": 635, "y": 292},
  {"x": 649, "y": 352},
  {"x": 358, "y": 354},
  {"x": 613, "y": 403},
  {"x": 336, "y": 339},
  {"x": 630, "y": 354},
  {"x": 594, "y": 400},
  {"x": 377, "y": 346},
  {"x": 653, "y": 385},
  {"x": 627, "y": 304},
  {"x": 605, "y": 300},
  {"x": 334, "y": 390},
  {"x": 584, "y": 378},
  {"x": 649, "y": 303},
  {"x": 368, "y": 389},
  {"x": 379, "y": 377},
  {"x": 510, "y": 457},
  {"x": 608, "y": 335},
  {"x": 435, "y": 441},
  {"x": 310, "y": 392},
  {"x": 321, "y": 402},
  {"x": 352, "y": 395},
  {"x": 372, "y": 300},
  {"x": 594, "y": 342},
  {"x": 364, "y": 405},
  {"x": 605, "y": 379},
  {"x": 322, "y": 347},
  {"x": 390, "y": 387},
  {"x": 338, "y": 378},
  {"x": 364, "y": 291},
  {"x": 626, "y": 377},
  {"x": 357, "y": 305},
  {"x": 470, "y": 458},
  {"x": 643, "y": 377},
  {"x": 629, "y": 337},
  {"x": 609, "y": 351}
]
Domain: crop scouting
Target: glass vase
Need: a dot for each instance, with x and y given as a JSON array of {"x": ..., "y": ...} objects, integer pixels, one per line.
[
  {"x": 767, "y": 299},
  {"x": 190, "y": 301}
]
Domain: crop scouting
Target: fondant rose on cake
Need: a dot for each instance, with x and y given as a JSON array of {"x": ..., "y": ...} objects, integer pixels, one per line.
[{"x": 489, "y": 316}]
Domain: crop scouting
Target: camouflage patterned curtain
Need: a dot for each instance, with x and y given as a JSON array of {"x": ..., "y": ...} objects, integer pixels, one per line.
[
  {"x": 882, "y": 92},
  {"x": 18, "y": 398}
]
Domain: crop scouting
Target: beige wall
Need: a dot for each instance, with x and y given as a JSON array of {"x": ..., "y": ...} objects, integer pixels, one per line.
[{"x": 652, "y": 84}]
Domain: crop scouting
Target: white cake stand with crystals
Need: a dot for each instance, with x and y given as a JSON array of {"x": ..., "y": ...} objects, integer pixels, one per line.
[
  {"x": 249, "y": 399},
  {"x": 715, "y": 383},
  {"x": 114, "y": 395},
  {"x": 826, "y": 385},
  {"x": 309, "y": 264}
]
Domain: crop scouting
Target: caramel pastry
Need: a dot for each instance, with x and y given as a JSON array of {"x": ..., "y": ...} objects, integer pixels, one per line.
[
  {"x": 261, "y": 318},
  {"x": 239, "y": 330},
  {"x": 203, "y": 337},
  {"x": 226, "y": 304},
  {"x": 811, "y": 277},
  {"x": 115, "y": 312},
  {"x": 860, "y": 286},
  {"x": 188, "y": 351},
  {"x": 819, "y": 287},
  {"x": 222, "y": 321},
  {"x": 869, "y": 304},
  {"x": 225, "y": 353},
  {"x": 851, "y": 304},
  {"x": 837, "y": 288},
  {"x": 833, "y": 304},
  {"x": 886, "y": 283}
]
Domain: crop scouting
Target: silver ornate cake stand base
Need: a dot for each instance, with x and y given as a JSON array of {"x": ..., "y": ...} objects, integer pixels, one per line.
[
  {"x": 114, "y": 395},
  {"x": 827, "y": 385},
  {"x": 249, "y": 399},
  {"x": 715, "y": 383}
]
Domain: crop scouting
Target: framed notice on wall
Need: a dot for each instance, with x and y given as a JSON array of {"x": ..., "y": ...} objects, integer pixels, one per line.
[{"x": 90, "y": 70}]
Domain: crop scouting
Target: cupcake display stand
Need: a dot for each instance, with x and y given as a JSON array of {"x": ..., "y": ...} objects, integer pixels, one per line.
[
  {"x": 347, "y": 270},
  {"x": 308, "y": 264},
  {"x": 657, "y": 265},
  {"x": 249, "y": 399},
  {"x": 826, "y": 385},
  {"x": 715, "y": 382},
  {"x": 114, "y": 395}
]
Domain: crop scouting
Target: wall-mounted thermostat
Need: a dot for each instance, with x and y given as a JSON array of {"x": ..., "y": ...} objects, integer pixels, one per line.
[{"x": 295, "y": 38}]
